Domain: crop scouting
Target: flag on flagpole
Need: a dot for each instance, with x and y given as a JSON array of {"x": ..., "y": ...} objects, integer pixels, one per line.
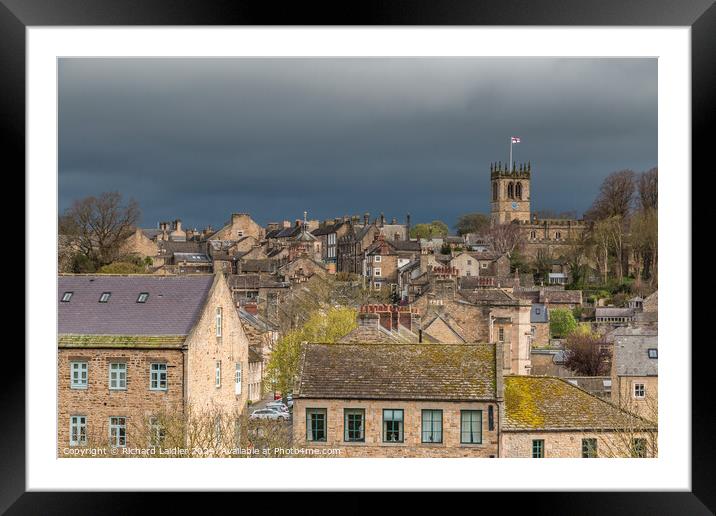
[{"x": 515, "y": 139}]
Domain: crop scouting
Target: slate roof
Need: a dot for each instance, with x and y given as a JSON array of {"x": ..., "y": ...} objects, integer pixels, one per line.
[
  {"x": 398, "y": 371},
  {"x": 404, "y": 245},
  {"x": 260, "y": 265},
  {"x": 327, "y": 229},
  {"x": 172, "y": 308},
  {"x": 170, "y": 247},
  {"x": 550, "y": 403},
  {"x": 487, "y": 295},
  {"x": 254, "y": 281},
  {"x": 562, "y": 296},
  {"x": 631, "y": 356},
  {"x": 613, "y": 311},
  {"x": 254, "y": 355},
  {"x": 539, "y": 313}
]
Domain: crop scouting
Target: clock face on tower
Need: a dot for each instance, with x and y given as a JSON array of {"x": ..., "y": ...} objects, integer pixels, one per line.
[{"x": 515, "y": 205}]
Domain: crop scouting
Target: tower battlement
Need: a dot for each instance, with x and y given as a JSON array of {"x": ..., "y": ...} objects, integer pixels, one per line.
[{"x": 500, "y": 170}]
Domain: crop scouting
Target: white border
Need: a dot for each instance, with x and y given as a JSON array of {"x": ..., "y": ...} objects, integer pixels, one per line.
[{"x": 670, "y": 471}]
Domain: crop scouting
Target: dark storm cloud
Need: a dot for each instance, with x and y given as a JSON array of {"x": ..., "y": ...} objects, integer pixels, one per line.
[{"x": 201, "y": 138}]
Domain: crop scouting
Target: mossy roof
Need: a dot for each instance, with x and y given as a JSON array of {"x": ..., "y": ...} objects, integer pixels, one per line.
[
  {"x": 121, "y": 341},
  {"x": 550, "y": 403},
  {"x": 459, "y": 372}
]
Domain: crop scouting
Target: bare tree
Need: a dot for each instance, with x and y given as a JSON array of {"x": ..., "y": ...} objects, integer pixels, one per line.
[
  {"x": 649, "y": 189},
  {"x": 98, "y": 225},
  {"x": 587, "y": 354},
  {"x": 615, "y": 196},
  {"x": 505, "y": 238}
]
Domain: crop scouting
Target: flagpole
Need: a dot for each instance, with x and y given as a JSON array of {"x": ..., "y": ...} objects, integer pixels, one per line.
[{"x": 509, "y": 165}]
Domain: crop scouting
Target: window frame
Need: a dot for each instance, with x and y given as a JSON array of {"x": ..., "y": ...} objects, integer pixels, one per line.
[
  {"x": 587, "y": 451},
  {"x": 643, "y": 390},
  {"x": 432, "y": 428},
  {"x": 118, "y": 388},
  {"x": 346, "y": 425},
  {"x": 113, "y": 442},
  {"x": 68, "y": 295},
  {"x": 81, "y": 386},
  {"x": 539, "y": 442},
  {"x": 463, "y": 413},
  {"x": 377, "y": 258},
  {"x": 80, "y": 425},
  {"x": 309, "y": 424},
  {"x": 238, "y": 378},
  {"x": 219, "y": 321},
  {"x": 217, "y": 374},
  {"x": 142, "y": 297},
  {"x": 401, "y": 428},
  {"x": 656, "y": 353},
  {"x": 103, "y": 299},
  {"x": 158, "y": 372}
]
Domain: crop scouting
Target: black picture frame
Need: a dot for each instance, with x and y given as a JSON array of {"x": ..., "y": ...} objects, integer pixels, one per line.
[{"x": 16, "y": 15}]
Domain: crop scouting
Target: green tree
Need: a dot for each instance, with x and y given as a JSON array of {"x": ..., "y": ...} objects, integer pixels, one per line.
[
  {"x": 561, "y": 322},
  {"x": 122, "y": 268},
  {"x": 472, "y": 223},
  {"x": 322, "y": 326},
  {"x": 435, "y": 229}
]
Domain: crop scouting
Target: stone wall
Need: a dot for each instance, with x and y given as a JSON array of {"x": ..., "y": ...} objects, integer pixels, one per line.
[
  {"x": 98, "y": 403},
  {"x": 412, "y": 445},
  {"x": 568, "y": 444}
]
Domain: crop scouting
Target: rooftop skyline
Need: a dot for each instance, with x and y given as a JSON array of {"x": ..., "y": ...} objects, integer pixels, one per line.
[{"x": 198, "y": 139}]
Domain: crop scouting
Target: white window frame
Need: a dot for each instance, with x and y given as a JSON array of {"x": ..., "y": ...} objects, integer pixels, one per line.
[
  {"x": 116, "y": 440},
  {"x": 376, "y": 258},
  {"x": 376, "y": 272},
  {"x": 157, "y": 432},
  {"x": 376, "y": 285},
  {"x": 155, "y": 376},
  {"x": 641, "y": 387},
  {"x": 104, "y": 297},
  {"x": 142, "y": 297},
  {"x": 118, "y": 378},
  {"x": 78, "y": 430},
  {"x": 483, "y": 265},
  {"x": 217, "y": 374},
  {"x": 237, "y": 378},
  {"x": 79, "y": 385},
  {"x": 67, "y": 297},
  {"x": 219, "y": 320}
]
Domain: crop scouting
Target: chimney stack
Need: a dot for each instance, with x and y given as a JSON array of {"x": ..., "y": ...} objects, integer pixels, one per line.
[
  {"x": 366, "y": 217},
  {"x": 382, "y": 220}
]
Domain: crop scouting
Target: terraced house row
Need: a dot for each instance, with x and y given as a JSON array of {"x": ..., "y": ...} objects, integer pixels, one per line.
[
  {"x": 132, "y": 348},
  {"x": 452, "y": 400}
]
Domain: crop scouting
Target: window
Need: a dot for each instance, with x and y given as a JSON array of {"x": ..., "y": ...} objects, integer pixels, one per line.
[
  {"x": 376, "y": 271},
  {"x": 538, "y": 449},
  {"x": 218, "y": 321},
  {"x": 501, "y": 334},
  {"x": 494, "y": 191},
  {"x": 316, "y": 425},
  {"x": 483, "y": 265},
  {"x": 157, "y": 432},
  {"x": 589, "y": 448},
  {"x": 158, "y": 377},
  {"x": 558, "y": 235},
  {"x": 237, "y": 379},
  {"x": 376, "y": 258},
  {"x": 78, "y": 375},
  {"x": 104, "y": 297},
  {"x": 538, "y": 311},
  {"x": 393, "y": 425},
  {"x": 118, "y": 431},
  {"x": 533, "y": 235},
  {"x": 78, "y": 430},
  {"x": 217, "y": 374},
  {"x": 653, "y": 353},
  {"x": 471, "y": 426},
  {"x": 143, "y": 297},
  {"x": 66, "y": 297},
  {"x": 518, "y": 190},
  {"x": 533, "y": 330},
  {"x": 432, "y": 426},
  {"x": 490, "y": 418},
  {"x": 354, "y": 424},
  {"x": 376, "y": 286},
  {"x": 638, "y": 447},
  {"x": 118, "y": 375},
  {"x": 639, "y": 390}
]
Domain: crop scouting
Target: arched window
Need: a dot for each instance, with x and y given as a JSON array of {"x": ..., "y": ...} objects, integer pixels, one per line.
[
  {"x": 518, "y": 190},
  {"x": 533, "y": 235},
  {"x": 494, "y": 190},
  {"x": 511, "y": 191},
  {"x": 558, "y": 235}
]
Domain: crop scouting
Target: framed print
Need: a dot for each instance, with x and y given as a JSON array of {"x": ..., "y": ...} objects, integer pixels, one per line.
[{"x": 410, "y": 253}]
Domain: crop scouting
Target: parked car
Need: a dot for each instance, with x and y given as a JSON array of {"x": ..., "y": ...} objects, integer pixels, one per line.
[
  {"x": 269, "y": 414},
  {"x": 277, "y": 405}
]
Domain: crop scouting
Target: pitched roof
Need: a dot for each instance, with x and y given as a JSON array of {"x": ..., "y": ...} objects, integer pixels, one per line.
[
  {"x": 550, "y": 403},
  {"x": 260, "y": 265},
  {"x": 255, "y": 281},
  {"x": 488, "y": 295},
  {"x": 172, "y": 308},
  {"x": 539, "y": 313},
  {"x": 398, "y": 371},
  {"x": 562, "y": 296},
  {"x": 169, "y": 247},
  {"x": 370, "y": 334},
  {"x": 631, "y": 355},
  {"x": 613, "y": 311}
]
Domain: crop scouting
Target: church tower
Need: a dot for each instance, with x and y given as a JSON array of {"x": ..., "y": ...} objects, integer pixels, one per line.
[{"x": 510, "y": 193}]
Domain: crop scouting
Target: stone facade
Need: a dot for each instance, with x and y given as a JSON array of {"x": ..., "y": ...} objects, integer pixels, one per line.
[
  {"x": 240, "y": 225},
  {"x": 138, "y": 244},
  {"x": 373, "y": 445},
  {"x": 568, "y": 444}
]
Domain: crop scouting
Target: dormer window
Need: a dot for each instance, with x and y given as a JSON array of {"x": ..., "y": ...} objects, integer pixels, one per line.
[
  {"x": 143, "y": 297},
  {"x": 66, "y": 297},
  {"x": 104, "y": 297},
  {"x": 653, "y": 353}
]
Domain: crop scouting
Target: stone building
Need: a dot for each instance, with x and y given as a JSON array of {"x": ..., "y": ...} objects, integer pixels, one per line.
[
  {"x": 133, "y": 347},
  {"x": 382, "y": 323},
  {"x": 399, "y": 400},
  {"x": 510, "y": 202},
  {"x": 328, "y": 233},
  {"x": 551, "y": 417},
  {"x": 635, "y": 370},
  {"x": 486, "y": 264},
  {"x": 239, "y": 226},
  {"x": 384, "y": 258}
]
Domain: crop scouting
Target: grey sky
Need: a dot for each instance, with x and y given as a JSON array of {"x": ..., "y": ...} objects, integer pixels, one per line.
[{"x": 201, "y": 138}]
